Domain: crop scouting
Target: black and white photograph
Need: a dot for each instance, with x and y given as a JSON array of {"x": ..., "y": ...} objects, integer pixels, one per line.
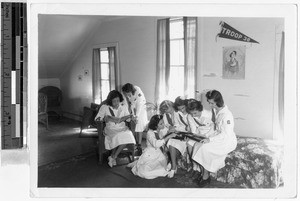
[
  {"x": 155, "y": 101},
  {"x": 234, "y": 62}
]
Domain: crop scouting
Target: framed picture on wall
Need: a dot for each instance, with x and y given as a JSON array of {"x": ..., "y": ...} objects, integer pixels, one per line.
[{"x": 234, "y": 62}]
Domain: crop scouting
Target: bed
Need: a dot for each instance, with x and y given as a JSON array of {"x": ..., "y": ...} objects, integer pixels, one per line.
[{"x": 255, "y": 163}]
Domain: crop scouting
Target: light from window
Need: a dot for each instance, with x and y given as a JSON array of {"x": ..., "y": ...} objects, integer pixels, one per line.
[
  {"x": 105, "y": 72},
  {"x": 176, "y": 79}
]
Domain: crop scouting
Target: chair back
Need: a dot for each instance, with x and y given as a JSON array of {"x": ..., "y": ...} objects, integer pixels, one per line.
[
  {"x": 42, "y": 103},
  {"x": 54, "y": 95}
]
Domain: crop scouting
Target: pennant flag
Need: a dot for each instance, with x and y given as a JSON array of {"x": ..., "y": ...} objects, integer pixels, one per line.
[{"x": 233, "y": 34}]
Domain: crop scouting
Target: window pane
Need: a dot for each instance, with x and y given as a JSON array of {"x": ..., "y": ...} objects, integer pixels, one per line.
[
  {"x": 105, "y": 89},
  {"x": 104, "y": 56},
  {"x": 177, "y": 52},
  {"x": 104, "y": 71},
  {"x": 176, "y": 29},
  {"x": 176, "y": 82}
]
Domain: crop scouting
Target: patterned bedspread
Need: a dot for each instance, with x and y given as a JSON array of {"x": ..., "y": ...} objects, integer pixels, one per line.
[{"x": 256, "y": 163}]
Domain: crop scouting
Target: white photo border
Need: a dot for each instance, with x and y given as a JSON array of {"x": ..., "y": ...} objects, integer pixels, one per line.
[{"x": 288, "y": 11}]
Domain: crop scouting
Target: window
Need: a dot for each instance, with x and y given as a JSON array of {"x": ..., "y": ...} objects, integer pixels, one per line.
[
  {"x": 105, "y": 71},
  {"x": 176, "y": 58},
  {"x": 176, "y": 78},
  {"x": 105, "y": 87}
]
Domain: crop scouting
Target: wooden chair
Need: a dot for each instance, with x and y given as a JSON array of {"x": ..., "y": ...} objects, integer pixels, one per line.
[
  {"x": 42, "y": 109},
  {"x": 128, "y": 150}
]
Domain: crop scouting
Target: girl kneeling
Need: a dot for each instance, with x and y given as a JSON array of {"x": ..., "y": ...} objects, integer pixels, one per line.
[{"x": 152, "y": 163}]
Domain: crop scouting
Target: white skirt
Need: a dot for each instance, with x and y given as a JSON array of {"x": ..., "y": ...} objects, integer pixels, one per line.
[
  {"x": 117, "y": 135},
  {"x": 180, "y": 145},
  {"x": 212, "y": 155},
  {"x": 151, "y": 164},
  {"x": 142, "y": 121}
]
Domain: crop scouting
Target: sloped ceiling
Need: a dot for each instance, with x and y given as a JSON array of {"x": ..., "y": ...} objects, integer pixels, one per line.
[{"x": 60, "y": 39}]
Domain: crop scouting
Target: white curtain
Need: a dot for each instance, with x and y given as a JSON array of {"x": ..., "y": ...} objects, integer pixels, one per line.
[
  {"x": 96, "y": 76},
  {"x": 163, "y": 60},
  {"x": 190, "y": 50},
  {"x": 281, "y": 84},
  {"x": 112, "y": 63}
]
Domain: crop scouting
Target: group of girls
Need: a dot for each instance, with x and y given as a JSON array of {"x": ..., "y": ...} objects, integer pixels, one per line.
[
  {"x": 213, "y": 138},
  {"x": 214, "y": 132}
]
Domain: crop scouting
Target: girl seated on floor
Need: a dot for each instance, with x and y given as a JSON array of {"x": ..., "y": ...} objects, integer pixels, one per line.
[
  {"x": 176, "y": 118},
  {"x": 117, "y": 134},
  {"x": 201, "y": 125},
  {"x": 152, "y": 163}
]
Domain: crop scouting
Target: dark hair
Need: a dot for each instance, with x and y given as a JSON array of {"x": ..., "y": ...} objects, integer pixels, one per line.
[
  {"x": 127, "y": 88},
  {"x": 193, "y": 104},
  {"x": 232, "y": 53},
  {"x": 113, "y": 94},
  {"x": 165, "y": 105},
  {"x": 153, "y": 123},
  {"x": 216, "y": 96},
  {"x": 179, "y": 102}
]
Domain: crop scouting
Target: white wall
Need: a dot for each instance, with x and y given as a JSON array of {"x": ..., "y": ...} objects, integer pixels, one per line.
[
  {"x": 136, "y": 37},
  {"x": 250, "y": 100}
]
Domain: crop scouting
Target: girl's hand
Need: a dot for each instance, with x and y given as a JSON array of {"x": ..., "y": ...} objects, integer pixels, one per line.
[
  {"x": 204, "y": 141},
  {"x": 171, "y": 136}
]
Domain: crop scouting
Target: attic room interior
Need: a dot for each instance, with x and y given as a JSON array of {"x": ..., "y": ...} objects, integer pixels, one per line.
[{"x": 68, "y": 73}]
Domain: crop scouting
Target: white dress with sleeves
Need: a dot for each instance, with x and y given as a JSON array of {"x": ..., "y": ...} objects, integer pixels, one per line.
[
  {"x": 138, "y": 107},
  {"x": 152, "y": 163},
  {"x": 200, "y": 125},
  {"x": 181, "y": 124},
  {"x": 115, "y": 133},
  {"x": 212, "y": 155}
]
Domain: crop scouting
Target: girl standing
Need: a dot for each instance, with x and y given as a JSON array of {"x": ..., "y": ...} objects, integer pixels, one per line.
[{"x": 137, "y": 104}]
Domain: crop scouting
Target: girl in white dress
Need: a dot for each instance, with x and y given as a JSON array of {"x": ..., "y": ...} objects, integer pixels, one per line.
[
  {"x": 137, "y": 104},
  {"x": 175, "y": 117},
  {"x": 212, "y": 151},
  {"x": 201, "y": 125},
  {"x": 152, "y": 163},
  {"x": 117, "y": 134}
]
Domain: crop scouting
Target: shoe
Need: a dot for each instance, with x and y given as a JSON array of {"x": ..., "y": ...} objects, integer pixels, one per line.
[
  {"x": 114, "y": 162},
  {"x": 111, "y": 161},
  {"x": 168, "y": 167},
  {"x": 198, "y": 177},
  {"x": 195, "y": 175},
  {"x": 189, "y": 169},
  {"x": 171, "y": 173},
  {"x": 203, "y": 182},
  {"x": 138, "y": 151},
  {"x": 130, "y": 165}
]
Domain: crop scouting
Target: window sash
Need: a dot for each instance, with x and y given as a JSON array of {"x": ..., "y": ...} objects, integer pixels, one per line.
[{"x": 103, "y": 84}]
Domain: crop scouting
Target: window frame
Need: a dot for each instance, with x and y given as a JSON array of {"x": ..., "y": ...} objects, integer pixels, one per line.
[{"x": 117, "y": 66}]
